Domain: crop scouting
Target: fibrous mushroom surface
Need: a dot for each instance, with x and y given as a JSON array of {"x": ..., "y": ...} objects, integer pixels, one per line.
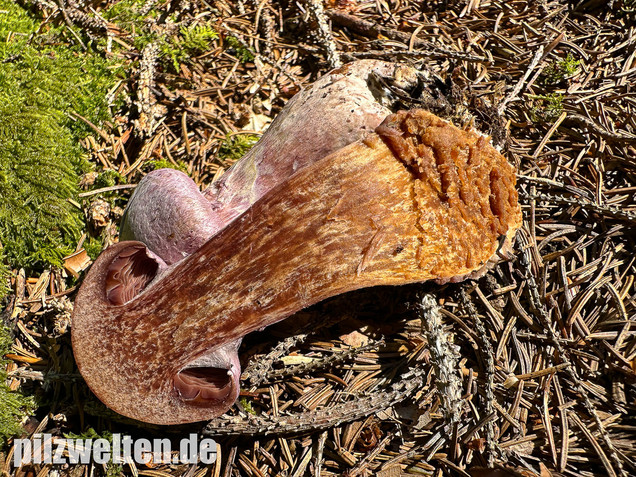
[{"x": 419, "y": 199}]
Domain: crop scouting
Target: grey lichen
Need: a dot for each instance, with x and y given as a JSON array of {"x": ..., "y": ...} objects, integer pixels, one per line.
[{"x": 444, "y": 356}]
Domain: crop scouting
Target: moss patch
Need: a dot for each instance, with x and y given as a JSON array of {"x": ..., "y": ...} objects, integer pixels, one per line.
[
  {"x": 43, "y": 81},
  {"x": 192, "y": 41},
  {"x": 243, "y": 53},
  {"x": 235, "y": 147},
  {"x": 546, "y": 108},
  {"x": 559, "y": 70},
  {"x": 5, "y": 274},
  {"x": 178, "y": 42}
]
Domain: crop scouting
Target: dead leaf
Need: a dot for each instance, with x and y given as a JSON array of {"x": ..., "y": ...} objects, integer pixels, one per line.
[{"x": 355, "y": 339}]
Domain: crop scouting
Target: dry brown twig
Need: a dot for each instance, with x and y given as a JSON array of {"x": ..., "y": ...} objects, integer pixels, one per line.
[
  {"x": 325, "y": 37},
  {"x": 332, "y": 416},
  {"x": 445, "y": 357}
]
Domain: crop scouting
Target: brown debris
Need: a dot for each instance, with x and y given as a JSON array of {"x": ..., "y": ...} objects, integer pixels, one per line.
[
  {"x": 77, "y": 262},
  {"x": 99, "y": 214}
]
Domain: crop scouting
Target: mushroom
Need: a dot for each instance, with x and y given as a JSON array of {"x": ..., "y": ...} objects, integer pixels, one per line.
[{"x": 419, "y": 199}]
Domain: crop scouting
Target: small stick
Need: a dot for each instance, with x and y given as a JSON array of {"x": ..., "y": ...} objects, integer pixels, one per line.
[
  {"x": 145, "y": 97},
  {"x": 519, "y": 86},
  {"x": 326, "y": 362},
  {"x": 319, "y": 453},
  {"x": 107, "y": 189},
  {"x": 326, "y": 418},
  {"x": 444, "y": 356},
  {"x": 601, "y": 131},
  {"x": 325, "y": 36},
  {"x": 259, "y": 371},
  {"x": 428, "y": 52},
  {"x": 490, "y": 373}
]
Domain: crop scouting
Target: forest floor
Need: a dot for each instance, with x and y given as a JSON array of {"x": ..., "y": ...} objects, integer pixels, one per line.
[{"x": 546, "y": 341}]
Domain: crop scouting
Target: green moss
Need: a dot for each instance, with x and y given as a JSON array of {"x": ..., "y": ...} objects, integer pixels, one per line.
[
  {"x": 172, "y": 55},
  {"x": 42, "y": 82},
  {"x": 48, "y": 74},
  {"x": 165, "y": 164},
  {"x": 197, "y": 39},
  {"x": 14, "y": 407},
  {"x": 546, "y": 108},
  {"x": 243, "y": 53},
  {"x": 191, "y": 41},
  {"x": 247, "y": 405},
  {"x": 39, "y": 166},
  {"x": 90, "y": 433},
  {"x": 559, "y": 70},
  {"x": 108, "y": 178},
  {"x": 235, "y": 147},
  {"x": 5, "y": 274},
  {"x": 93, "y": 246},
  {"x": 174, "y": 49},
  {"x": 126, "y": 14},
  {"x": 114, "y": 470}
]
